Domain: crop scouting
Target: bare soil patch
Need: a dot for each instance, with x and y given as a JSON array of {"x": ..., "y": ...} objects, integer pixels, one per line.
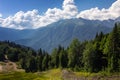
[
  {"x": 8, "y": 66},
  {"x": 69, "y": 75}
]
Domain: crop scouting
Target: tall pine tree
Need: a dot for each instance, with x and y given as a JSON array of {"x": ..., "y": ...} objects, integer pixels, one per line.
[{"x": 112, "y": 49}]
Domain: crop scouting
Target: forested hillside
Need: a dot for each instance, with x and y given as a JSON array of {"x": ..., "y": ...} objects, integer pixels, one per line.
[
  {"x": 64, "y": 31},
  {"x": 100, "y": 54},
  {"x": 14, "y": 52}
]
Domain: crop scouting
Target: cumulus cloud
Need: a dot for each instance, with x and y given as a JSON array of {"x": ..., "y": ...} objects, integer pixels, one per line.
[
  {"x": 32, "y": 19},
  {"x": 69, "y": 9},
  {"x": 112, "y": 12},
  {"x": 21, "y": 20}
]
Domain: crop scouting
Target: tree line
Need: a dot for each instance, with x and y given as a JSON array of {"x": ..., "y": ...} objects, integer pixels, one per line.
[{"x": 99, "y": 54}]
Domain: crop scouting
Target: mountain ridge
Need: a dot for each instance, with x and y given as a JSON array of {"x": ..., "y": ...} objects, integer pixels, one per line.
[
  {"x": 63, "y": 32},
  {"x": 58, "y": 33}
]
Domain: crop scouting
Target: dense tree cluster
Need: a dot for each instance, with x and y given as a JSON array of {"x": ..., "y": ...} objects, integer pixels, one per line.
[{"x": 100, "y": 54}]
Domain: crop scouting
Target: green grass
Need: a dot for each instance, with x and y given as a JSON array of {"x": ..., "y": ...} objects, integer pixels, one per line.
[
  {"x": 88, "y": 74},
  {"x": 54, "y": 74},
  {"x": 17, "y": 76},
  {"x": 101, "y": 75}
]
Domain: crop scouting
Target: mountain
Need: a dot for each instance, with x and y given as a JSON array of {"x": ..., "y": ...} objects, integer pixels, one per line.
[
  {"x": 64, "y": 31},
  {"x": 13, "y": 34},
  {"x": 58, "y": 33}
]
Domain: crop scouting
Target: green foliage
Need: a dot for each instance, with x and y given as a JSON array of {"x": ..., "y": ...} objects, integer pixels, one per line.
[
  {"x": 45, "y": 62},
  {"x": 1, "y": 56},
  {"x": 63, "y": 58},
  {"x": 88, "y": 55},
  {"x": 55, "y": 58},
  {"x": 112, "y": 49},
  {"x": 100, "y": 54},
  {"x": 74, "y": 54}
]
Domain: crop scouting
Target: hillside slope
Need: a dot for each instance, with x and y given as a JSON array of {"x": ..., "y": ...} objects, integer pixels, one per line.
[
  {"x": 58, "y": 33},
  {"x": 63, "y": 32}
]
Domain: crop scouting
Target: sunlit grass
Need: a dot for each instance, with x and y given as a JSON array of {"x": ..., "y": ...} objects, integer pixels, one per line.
[
  {"x": 17, "y": 76},
  {"x": 54, "y": 74},
  {"x": 85, "y": 74}
]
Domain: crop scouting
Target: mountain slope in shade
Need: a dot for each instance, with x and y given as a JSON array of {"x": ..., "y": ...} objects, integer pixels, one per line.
[
  {"x": 13, "y": 34},
  {"x": 64, "y": 31}
]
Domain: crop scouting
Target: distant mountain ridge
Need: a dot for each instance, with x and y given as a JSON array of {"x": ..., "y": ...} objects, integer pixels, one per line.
[
  {"x": 58, "y": 33},
  {"x": 13, "y": 34}
]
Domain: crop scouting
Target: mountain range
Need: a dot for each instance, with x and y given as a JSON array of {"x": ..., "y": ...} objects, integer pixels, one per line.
[{"x": 58, "y": 33}]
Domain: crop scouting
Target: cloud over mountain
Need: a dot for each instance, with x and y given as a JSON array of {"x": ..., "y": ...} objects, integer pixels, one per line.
[
  {"x": 112, "y": 12},
  {"x": 33, "y": 19}
]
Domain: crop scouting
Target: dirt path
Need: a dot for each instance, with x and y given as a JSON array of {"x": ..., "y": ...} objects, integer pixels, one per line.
[
  {"x": 8, "y": 66},
  {"x": 68, "y": 75},
  {"x": 0, "y": 68}
]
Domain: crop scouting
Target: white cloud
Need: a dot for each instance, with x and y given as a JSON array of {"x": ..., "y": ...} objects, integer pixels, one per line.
[
  {"x": 21, "y": 20},
  {"x": 32, "y": 19},
  {"x": 69, "y": 9},
  {"x": 104, "y": 14}
]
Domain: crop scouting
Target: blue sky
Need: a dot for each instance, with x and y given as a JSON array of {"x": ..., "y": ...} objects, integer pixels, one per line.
[
  {"x": 32, "y": 14},
  {"x": 10, "y": 7}
]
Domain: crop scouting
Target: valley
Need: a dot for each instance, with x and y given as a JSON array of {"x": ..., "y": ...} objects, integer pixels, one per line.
[
  {"x": 59, "y": 39},
  {"x": 79, "y": 61},
  {"x": 58, "y": 33}
]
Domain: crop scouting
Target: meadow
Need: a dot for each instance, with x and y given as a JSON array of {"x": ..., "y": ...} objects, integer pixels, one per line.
[{"x": 58, "y": 74}]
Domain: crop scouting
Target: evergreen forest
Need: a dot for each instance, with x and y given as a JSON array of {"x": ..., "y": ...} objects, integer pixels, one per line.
[{"x": 100, "y": 54}]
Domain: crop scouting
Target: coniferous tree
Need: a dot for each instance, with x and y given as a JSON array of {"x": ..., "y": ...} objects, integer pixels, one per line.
[
  {"x": 63, "y": 59},
  {"x": 45, "y": 62},
  {"x": 55, "y": 58},
  {"x": 39, "y": 59},
  {"x": 92, "y": 57},
  {"x": 87, "y": 57},
  {"x": 32, "y": 64},
  {"x": 1, "y": 56},
  {"x": 112, "y": 50},
  {"x": 74, "y": 55}
]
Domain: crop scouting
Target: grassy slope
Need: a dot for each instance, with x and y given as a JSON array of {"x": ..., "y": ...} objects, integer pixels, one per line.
[
  {"x": 54, "y": 74},
  {"x": 57, "y": 74}
]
